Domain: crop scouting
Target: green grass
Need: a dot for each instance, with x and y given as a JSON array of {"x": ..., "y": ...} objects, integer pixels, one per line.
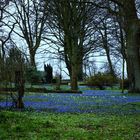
[
  {"x": 2, "y": 97},
  {"x": 47, "y": 126}
]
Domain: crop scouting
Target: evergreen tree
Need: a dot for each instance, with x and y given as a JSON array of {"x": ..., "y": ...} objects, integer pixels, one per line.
[{"x": 48, "y": 73}]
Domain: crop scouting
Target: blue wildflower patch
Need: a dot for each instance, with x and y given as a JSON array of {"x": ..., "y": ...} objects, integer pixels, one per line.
[{"x": 91, "y": 101}]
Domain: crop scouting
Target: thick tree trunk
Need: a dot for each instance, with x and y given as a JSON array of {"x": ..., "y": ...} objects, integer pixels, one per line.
[
  {"x": 74, "y": 78},
  {"x": 80, "y": 71},
  {"x": 20, "y": 103},
  {"x": 133, "y": 56},
  {"x": 80, "y": 56},
  {"x": 71, "y": 60},
  {"x": 74, "y": 65},
  {"x": 132, "y": 30},
  {"x": 79, "y": 66}
]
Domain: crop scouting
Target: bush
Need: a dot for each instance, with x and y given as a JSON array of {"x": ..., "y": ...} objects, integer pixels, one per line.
[
  {"x": 57, "y": 81},
  {"x": 33, "y": 76},
  {"x": 101, "y": 80}
]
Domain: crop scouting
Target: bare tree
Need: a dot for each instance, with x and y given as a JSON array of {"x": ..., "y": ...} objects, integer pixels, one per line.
[
  {"x": 131, "y": 26},
  {"x": 15, "y": 68},
  {"x": 5, "y": 36},
  {"x": 128, "y": 11},
  {"x": 31, "y": 17},
  {"x": 104, "y": 26},
  {"x": 70, "y": 25},
  {"x": 3, "y": 5}
]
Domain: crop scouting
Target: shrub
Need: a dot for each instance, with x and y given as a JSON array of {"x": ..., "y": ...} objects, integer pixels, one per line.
[
  {"x": 101, "y": 80},
  {"x": 57, "y": 81},
  {"x": 33, "y": 76}
]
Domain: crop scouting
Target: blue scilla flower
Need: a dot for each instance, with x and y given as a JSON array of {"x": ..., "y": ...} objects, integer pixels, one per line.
[
  {"x": 63, "y": 109},
  {"x": 5, "y": 104},
  {"x": 91, "y": 101}
]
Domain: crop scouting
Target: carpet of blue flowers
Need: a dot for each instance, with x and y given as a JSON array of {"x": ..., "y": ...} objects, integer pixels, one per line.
[{"x": 90, "y": 101}]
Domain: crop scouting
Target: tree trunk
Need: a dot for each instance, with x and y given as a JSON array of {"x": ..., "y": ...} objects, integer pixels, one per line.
[
  {"x": 132, "y": 30},
  {"x": 20, "y": 103},
  {"x": 133, "y": 56},
  {"x": 20, "y": 89},
  {"x": 74, "y": 65},
  {"x": 74, "y": 78},
  {"x": 80, "y": 71},
  {"x": 32, "y": 59},
  {"x": 111, "y": 70},
  {"x": 80, "y": 56}
]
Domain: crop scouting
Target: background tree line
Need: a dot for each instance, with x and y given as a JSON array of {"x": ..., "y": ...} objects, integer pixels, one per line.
[{"x": 76, "y": 30}]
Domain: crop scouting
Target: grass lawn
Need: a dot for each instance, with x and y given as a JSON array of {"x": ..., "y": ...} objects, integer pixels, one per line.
[
  {"x": 92, "y": 115},
  {"x": 54, "y": 126}
]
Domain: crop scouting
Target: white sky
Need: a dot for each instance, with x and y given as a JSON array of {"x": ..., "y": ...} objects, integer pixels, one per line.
[{"x": 42, "y": 58}]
